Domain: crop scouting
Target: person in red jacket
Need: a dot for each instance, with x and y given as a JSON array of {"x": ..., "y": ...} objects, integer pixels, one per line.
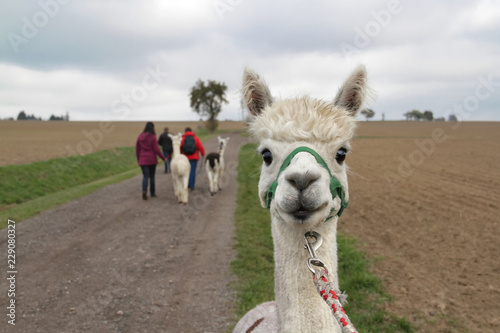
[
  {"x": 191, "y": 146},
  {"x": 146, "y": 150}
]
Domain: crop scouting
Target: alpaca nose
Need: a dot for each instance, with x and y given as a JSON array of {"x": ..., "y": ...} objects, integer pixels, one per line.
[{"x": 301, "y": 180}]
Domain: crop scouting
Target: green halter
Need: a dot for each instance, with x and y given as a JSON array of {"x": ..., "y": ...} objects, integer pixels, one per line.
[{"x": 335, "y": 186}]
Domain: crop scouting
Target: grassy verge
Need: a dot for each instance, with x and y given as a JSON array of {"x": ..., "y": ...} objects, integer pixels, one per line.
[
  {"x": 254, "y": 265},
  {"x": 29, "y": 189},
  {"x": 30, "y": 208},
  {"x": 21, "y": 183}
]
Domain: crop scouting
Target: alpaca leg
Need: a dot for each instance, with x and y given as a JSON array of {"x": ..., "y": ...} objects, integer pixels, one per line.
[
  {"x": 179, "y": 189},
  {"x": 185, "y": 189},
  {"x": 211, "y": 181},
  {"x": 216, "y": 180},
  {"x": 221, "y": 172},
  {"x": 216, "y": 177},
  {"x": 176, "y": 188},
  {"x": 209, "y": 176},
  {"x": 174, "y": 184},
  {"x": 219, "y": 182}
]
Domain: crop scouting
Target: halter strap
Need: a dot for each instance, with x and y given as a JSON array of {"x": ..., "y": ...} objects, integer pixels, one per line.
[{"x": 335, "y": 186}]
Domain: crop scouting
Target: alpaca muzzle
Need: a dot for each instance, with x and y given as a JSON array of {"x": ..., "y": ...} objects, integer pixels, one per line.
[{"x": 336, "y": 188}]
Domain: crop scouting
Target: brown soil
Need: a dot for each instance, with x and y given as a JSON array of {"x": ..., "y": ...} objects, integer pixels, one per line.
[
  {"x": 434, "y": 233},
  {"x": 111, "y": 262}
]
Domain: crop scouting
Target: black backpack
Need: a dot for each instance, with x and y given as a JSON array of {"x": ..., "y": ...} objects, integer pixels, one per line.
[{"x": 189, "y": 146}]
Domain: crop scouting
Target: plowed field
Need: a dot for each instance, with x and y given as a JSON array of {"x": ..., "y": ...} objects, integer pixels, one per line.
[
  {"x": 425, "y": 205},
  {"x": 31, "y": 141}
]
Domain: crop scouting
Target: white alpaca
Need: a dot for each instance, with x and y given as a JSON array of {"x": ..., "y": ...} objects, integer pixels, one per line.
[
  {"x": 303, "y": 199},
  {"x": 181, "y": 169},
  {"x": 214, "y": 165}
]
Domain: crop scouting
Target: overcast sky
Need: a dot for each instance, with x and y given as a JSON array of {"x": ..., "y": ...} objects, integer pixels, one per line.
[{"x": 137, "y": 60}]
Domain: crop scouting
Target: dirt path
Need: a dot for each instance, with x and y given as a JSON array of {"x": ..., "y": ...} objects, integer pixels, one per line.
[{"x": 111, "y": 262}]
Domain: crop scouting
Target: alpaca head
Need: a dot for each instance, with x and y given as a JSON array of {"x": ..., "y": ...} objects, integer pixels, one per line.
[
  {"x": 176, "y": 139},
  {"x": 302, "y": 196},
  {"x": 222, "y": 143},
  {"x": 176, "y": 142}
]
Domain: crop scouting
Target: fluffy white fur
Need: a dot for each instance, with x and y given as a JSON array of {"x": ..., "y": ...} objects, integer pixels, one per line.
[
  {"x": 181, "y": 168},
  {"x": 280, "y": 127},
  {"x": 215, "y": 174}
]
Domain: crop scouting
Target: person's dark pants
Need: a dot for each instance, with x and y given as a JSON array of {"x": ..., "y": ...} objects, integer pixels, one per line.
[
  {"x": 148, "y": 172},
  {"x": 168, "y": 156},
  {"x": 192, "y": 175}
]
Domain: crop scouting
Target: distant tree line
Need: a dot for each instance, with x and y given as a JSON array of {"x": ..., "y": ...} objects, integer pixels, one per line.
[
  {"x": 426, "y": 115},
  {"x": 62, "y": 118},
  {"x": 23, "y": 116},
  {"x": 417, "y": 115}
]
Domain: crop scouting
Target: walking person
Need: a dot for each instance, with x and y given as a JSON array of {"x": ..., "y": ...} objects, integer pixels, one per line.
[
  {"x": 146, "y": 150},
  {"x": 166, "y": 143},
  {"x": 191, "y": 147}
]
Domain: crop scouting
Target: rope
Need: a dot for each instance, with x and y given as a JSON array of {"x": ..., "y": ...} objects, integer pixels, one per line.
[{"x": 334, "y": 299}]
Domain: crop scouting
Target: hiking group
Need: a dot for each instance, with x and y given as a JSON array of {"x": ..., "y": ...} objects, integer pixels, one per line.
[{"x": 147, "y": 152}]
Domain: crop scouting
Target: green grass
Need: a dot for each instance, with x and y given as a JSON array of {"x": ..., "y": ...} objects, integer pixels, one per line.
[
  {"x": 21, "y": 183},
  {"x": 253, "y": 237},
  {"x": 254, "y": 265},
  {"x": 30, "y": 208}
]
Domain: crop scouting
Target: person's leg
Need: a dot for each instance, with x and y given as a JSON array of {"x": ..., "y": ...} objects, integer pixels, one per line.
[
  {"x": 169, "y": 159},
  {"x": 165, "y": 153},
  {"x": 192, "y": 175},
  {"x": 152, "y": 172},
  {"x": 145, "y": 178}
]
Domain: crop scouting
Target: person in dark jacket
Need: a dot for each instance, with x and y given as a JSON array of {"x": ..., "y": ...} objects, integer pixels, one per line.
[
  {"x": 193, "y": 157},
  {"x": 146, "y": 150},
  {"x": 166, "y": 143}
]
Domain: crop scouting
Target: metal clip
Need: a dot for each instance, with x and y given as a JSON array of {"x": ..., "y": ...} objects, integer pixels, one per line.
[{"x": 312, "y": 247}]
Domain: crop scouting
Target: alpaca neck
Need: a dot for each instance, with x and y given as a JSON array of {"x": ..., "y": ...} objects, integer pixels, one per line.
[
  {"x": 177, "y": 148},
  {"x": 221, "y": 151},
  {"x": 298, "y": 304}
]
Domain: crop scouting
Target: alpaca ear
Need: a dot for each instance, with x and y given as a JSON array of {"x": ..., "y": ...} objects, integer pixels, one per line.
[
  {"x": 351, "y": 95},
  {"x": 256, "y": 94}
]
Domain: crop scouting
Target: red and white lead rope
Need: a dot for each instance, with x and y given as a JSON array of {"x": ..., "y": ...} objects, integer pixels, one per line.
[{"x": 326, "y": 290}]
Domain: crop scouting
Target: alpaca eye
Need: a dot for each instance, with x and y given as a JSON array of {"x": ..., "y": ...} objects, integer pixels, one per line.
[
  {"x": 267, "y": 156},
  {"x": 340, "y": 157}
]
